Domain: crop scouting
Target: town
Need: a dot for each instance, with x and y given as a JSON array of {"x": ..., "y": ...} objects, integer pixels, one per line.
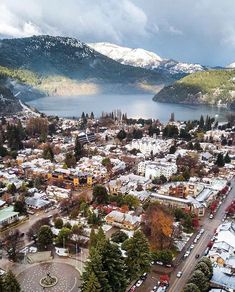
[{"x": 116, "y": 203}]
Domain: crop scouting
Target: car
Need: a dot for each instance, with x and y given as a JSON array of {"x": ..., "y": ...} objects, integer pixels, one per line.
[
  {"x": 197, "y": 256},
  {"x": 191, "y": 246},
  {"x": 195, "y": 240},
  {"x": 211, "y": 216},
  {"x": 144, "y": 276},
  {"x": 202, "y": 231},
  {"x": 139, "y": 283},
  {"x": 159, "y": 263},
  {"x": 179, "y": 274},
  {"x": 132, "y": 289},
  {"x": 186, "y": 254},
  {"x": 168, "y": 265}
]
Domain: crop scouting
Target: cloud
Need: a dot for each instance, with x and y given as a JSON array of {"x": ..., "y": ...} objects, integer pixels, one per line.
[{"x": 188, "y": 30}]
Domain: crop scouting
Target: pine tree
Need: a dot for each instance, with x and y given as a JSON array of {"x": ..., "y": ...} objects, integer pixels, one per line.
[
  {"x": 220, "y": 160},
  {"x": 114, "y": 265},
  {"x": 95, "y": 265},
  {"x": 93, "y": 239},
  {"x": 10, "y": 283},
  {"x": 78, "y": 149},
  {"x": 92, "y": 116},
  {"x": 201, "y": 122},
  {"x": 48, "y": 153},
  {"x": 92, "y": 285},
  {"x": 138, "y": 255},
  {"x": 227, "y": 159}
]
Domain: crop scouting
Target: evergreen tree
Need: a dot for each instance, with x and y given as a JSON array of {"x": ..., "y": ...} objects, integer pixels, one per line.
[
  {"x": 200, "y": 280},
  {"x": 20, "y": 206},
  {"x": 10, "y": 283},
  {"x": 201, "y": 123},
  {"x": 191, "y": 288},
  {"x": 48, "y": 153},
  {"x": 92, "y": 116},
  {"x": 121, "y": 135},
  {"x": 172, "y": 149},
  {"x": 92, "y": 285},
  {"x": 138, "y": 255},
  {"x": 95, "y": 265},
  {"x": 78, "y": 149},
  {"x": 201, "y": 266},
  {"x": 70, "y": 160},
  {"x": 45, "y": 236},
  {"x": 220, "y": 160},
  {"x": 100, "y": 194},
  {"x": 93, "y": 239},
  {"x": 113, "y": 263},
  {"x": 227, "y": 159}
]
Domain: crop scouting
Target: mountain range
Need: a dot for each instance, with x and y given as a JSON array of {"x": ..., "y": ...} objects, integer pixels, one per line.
[
  {"x": 45, "y": 65},
  {"x": 146, "y": 59},
  {"x": 66, "y": 66}
]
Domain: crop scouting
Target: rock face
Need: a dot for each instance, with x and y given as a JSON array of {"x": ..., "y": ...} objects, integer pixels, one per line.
[
  {"x": 216, "y": 87},
  {"x": 44, "y": 62},
  {"x": 9, "y": 104}
]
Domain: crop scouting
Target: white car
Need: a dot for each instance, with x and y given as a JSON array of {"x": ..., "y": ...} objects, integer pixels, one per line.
[
  {"x": 195, "y": 240},
  {"x": 139, "y": 283},
  {"x": 192, "y": 246},
  {"x": 159, "y": 263},
  {"x": 202, "y": 231},
  {"x": 211, "y": 216},
  {"x": 179, "y": 274},
  {"x": 186, "y": 254}
]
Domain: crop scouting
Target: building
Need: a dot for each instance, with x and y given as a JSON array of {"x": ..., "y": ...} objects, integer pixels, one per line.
[
  {"x": 156, "y": 169},
  {"x": 123, "y": 220},
  {"x": 8, "y": 216}
]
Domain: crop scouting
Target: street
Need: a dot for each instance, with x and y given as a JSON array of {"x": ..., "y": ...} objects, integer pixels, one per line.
[{"x": 187, "y": 266}]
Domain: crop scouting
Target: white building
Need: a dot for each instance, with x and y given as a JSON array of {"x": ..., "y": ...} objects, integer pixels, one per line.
[
  {"x": 148, "y": 145},
  {"x": 156, "y": 169}
]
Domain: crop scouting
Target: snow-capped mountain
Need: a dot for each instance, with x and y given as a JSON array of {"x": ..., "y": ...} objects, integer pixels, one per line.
[
  {"x": 145, "y": 59},
  {"x": 128, "y": 56}
]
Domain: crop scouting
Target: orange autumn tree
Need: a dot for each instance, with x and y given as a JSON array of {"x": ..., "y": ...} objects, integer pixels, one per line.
[{"x": 158, "y": 226}]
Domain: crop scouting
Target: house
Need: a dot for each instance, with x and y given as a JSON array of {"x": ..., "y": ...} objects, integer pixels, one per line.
[
  {"x": 8, "y": 216},
  {"x": 37, "y": 203},
  {"x": 123, "y": 220}
]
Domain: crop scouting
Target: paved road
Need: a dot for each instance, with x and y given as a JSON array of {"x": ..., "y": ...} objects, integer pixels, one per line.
[{"x": 209, "y": 225}]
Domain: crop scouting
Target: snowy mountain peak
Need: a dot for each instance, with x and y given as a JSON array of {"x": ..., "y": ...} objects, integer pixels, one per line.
[
  {"x": 145, "y": 59},
  {"x": 128, "y": 56}
]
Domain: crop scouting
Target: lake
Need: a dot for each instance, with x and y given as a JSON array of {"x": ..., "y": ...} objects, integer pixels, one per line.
[{"x": 136, "y": 106}]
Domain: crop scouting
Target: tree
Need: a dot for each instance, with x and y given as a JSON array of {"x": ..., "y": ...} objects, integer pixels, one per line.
[
  {"x": 93, "y": 239},
  {"x": 113, "y": 263},
  {"x": 121, "y": 135},
  {"x": 172, "y": 149},
  {"x": 3, "y": 151},
  {"x": 220, "y": 160},
  {"x": 95, "y": 265},
  {"x": 100, "y": 194},
  {"x": 45, "y": 236},
  {"x": 59, "y": 223},
  {"x": 200, "y": 280},
  {"x": 201, "y": 266},
  {"x": 163, "y": 179},
  {"x": 70, "y": 160},
  {"x": 11, "y": 188},
  {"x": 12, "y": 243},
  {"x": 190, "y": 287},
  {"x": 64, "y": 236},
  {"x": 170, "y": 131},
  {"x": 201, "y": 123},
  {"x": 164, "y": 256},
  {"x": 131, "y": 201},
  {"x": 92, "y": 284},
  {"x": 186, "y": 174},
  {"x": 20, "y": 206},
  {"x": 137, "y": 255},
  {"x": 48, "y": 153},
  {"x": 33, "y": 231},
  {"x": 10, "y": 283},
  {"x": 15, "y": 136},
  {"x": 227, "y": 159},
  {"x": 207, "y": 261},
  {"x": 158, "y": 225},
  {"x": 78, "y": 149},
  {"x": 119, "y": 236}
]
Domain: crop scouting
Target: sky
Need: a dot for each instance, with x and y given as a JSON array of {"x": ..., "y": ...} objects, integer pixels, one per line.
[{"x": 195, "y": 31}]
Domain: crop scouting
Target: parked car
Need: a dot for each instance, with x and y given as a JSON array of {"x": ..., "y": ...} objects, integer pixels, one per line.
[
  {"x": 191, "y": 246},
  {"x": 211, "y": 216},
  {"x": 139, "y": 283},
  {"x": 159, "y": 263},
  {"x": 144, "y": 276},
  {"x": 179, "y": 274}
]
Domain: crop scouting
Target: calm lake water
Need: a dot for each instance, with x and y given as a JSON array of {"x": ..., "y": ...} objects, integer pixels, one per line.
[{"x": 136, "y": 106}]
